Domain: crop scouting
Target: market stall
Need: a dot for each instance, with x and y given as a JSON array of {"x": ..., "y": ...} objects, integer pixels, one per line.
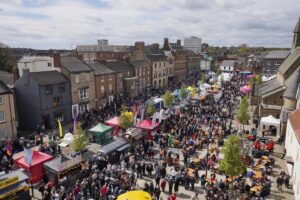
[
  {"x": 112, "y": 151},
  {"x": 135, "y": 195},
  {"x": 64, "y": 170},
  {"x": 36, "y": 168},
  {"x": 134, "y": 136},
  {"x": 14, "y": 186},
  {"x": 245, "y": 89},
  {"x": 114, "y": 122},
  {"x": 102, "y": 134},
  {"x": 65, "y": 144},
  {"x": 270, "y": 124},
  {"x": 146, "y": 125}
]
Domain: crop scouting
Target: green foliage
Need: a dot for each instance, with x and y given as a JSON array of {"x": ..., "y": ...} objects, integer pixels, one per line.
[
  {"x": 6, "y": 61},
  {"x": 80, "y": 141},
  {"x": 244, "y": 50},
  {"x": 183, "y": 92},
  {"x": 168, "y": 99},
  {"x": 243, "y": 115},
  {"x": 259, "y": 79},
  {"x": 202, "y": 78},
  {"x": 232, "y": 165},
  {"x": 126, "y": 119},
  {"x": 150, "y": 109}
]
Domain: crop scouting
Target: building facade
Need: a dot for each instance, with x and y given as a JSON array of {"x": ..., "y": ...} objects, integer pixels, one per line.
[
  {"x": 105, "y": 84},
  {"x": 8, "y": 121},
  {"x": 142, "y": 67},
  {"x": 193, "y": 44},
  {"x": 82, "y": 79},
  {"x": 272, "y": 61},
  {"x": 45, "y": 97},
  {"x": 227, "y": 66},
  {"x": 193, "y": 60},
  {"x": 159, "y": 66},
  {"x": 102, "y": 51},
  {"x": 292, "y": 145},
  {"x": 36, "y": 64},
  {"x": 205, "y": 64}
]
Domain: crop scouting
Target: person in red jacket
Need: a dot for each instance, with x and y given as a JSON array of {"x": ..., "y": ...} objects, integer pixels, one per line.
[{"x": 103, "y": 191}]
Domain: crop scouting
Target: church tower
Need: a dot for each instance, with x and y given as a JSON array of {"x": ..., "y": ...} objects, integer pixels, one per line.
[{"x": 296, "y": 39}]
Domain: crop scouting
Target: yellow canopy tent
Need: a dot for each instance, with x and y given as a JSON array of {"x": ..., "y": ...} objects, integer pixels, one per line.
[
  {"x": 190, "y": 88},
  {"x": 135, "y": 195}
]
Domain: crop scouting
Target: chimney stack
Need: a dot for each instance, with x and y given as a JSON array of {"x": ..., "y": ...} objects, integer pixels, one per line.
[
  {"x": 166, "y": 45},
  {"x": 179, "y": 42},
  {"x": 56, "y": 59},
  {"x": 139, "y": 45}
]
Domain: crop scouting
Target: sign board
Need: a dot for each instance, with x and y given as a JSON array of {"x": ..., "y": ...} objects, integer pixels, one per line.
[{"x": 8, "y": 182}]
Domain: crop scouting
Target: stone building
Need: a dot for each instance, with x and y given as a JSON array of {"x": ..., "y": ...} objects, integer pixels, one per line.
[
  {"x": 272, "y": 60},
  {"x": 102, "y": 51},
  {"x": 82, "y": 81},
  {"x": 193, "y": 60},
  {"x": 141, "y": 66},
  {"x": 105, "y": 84},
  {"x": 278, "y": 96},
  {"x": 170, "y": 61},
  {"x": 122, "y": 71},
  {"x": 42, "y": 98},
  {"x": 8, "y": 121},
  {"x": 159, "y": 66},
  {"x": 193, "y": 44}
]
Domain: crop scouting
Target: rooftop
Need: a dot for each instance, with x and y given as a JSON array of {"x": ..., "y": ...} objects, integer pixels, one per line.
[
  {"x": 7, "y": 78},
  {"x": 270, "y": 86},
  {"x": 100, "y": 69},
  {"x": 48, "y": 78},
  {"x": 4, "y": 89},
  {"x": 140, "y": 63},
  {"x": 278, "y": 54},
  {"x": 74, "y": 65},
  {"x": 118, "y": 66},
  {"x": 228, "y": 63},
  {"x": 34, "y": 59}
]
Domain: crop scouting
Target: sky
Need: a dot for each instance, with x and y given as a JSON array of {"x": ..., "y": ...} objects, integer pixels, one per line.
[{"x": 63, "y": 24}]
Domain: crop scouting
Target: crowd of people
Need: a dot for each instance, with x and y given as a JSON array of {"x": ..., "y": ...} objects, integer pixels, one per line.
[{"x": 185, "y": 152}]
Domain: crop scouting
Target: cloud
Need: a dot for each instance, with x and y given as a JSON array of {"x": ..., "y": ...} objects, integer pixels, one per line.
[{"x": 64, "y": 23}]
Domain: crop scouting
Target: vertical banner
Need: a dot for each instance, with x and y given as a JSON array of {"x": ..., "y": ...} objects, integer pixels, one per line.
[
  {"x": 28, "y": 156},
  {"x": 135, "y": 117},
  {"x": 75, "y": 121},
  {"x": 161, "y": 115},
  {"x": 142, "y": 113},
  {"x": 59, "y": 128}
]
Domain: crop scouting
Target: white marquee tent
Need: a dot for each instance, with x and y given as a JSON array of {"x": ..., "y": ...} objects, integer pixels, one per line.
[{"x": 268, "y": 121}]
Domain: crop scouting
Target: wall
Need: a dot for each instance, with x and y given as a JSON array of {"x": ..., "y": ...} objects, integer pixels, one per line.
[
  {"x": 159, "y": 74},
  {"x": 104, "y": 80},
  {"x": 275, "y": 99},
  {"x": 293, "y": 150},
  {"x": 37, "y": 66},
  {"x": 8, "y": 107},
  {"x": 83, "y": 83}
]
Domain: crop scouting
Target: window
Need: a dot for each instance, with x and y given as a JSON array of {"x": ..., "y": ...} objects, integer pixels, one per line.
[
  {"x": 49, "y": 64},
  {"x": 110, "y": 87},
  {"x": 61, "y": 88},
  {"x": 102, "y": 89},
  {"x": 110, "y": 76},
  {"x": 3, "y": 135},
  {"x": 1, "y": 100},
  {"x": 2, "y": 116},
  {"x": 49, "y": 89},
  {"x": 77, "y": 78},
  {"x": 102, "y": 79},
  {"x": 88, "y": 77},
  {"x": 57, "y": 101},
  {"x": 83, "y": 94},
  {"x": 83, "y": 108}
]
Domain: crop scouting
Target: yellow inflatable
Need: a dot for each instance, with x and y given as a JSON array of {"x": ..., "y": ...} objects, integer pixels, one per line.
[{"x": 135, "y": 195}]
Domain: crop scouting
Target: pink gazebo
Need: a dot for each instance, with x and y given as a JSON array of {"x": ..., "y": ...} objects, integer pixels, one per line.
[
  {"x": 114, "y": 122},
  {"x": 146, "y": 125},
  {"x": 245, "y": 89}
]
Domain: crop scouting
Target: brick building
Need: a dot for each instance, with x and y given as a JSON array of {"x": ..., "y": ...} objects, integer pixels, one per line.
[
  {"x": 193, "y": 60},
  {"x": 105, "y": 83},
  {"x": 82, "y": 81}
]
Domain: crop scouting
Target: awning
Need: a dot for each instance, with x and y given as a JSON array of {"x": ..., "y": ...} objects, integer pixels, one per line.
[{"x": 124, "y": 147}]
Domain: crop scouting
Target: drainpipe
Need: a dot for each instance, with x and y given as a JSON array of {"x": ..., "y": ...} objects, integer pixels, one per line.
[{"x": 12, "y": 127}]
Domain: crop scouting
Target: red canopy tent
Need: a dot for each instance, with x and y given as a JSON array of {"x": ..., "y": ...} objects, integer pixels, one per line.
[
  {"x": 114, "y": 122},
  {"x": 146, "y": 125},
  {"x": 36, "y": 169}
]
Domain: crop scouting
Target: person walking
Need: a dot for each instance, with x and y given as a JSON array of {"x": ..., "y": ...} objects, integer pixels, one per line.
[
  {"x": 287, "y": 181},
  {"x": 195, "y": 197}
]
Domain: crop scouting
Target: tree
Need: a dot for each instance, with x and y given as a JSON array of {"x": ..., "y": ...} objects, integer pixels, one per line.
[
  {"x": 253, "y": 80},
  {"x": 168, "y": 98},
  {"x": 183, "y": 93},
  {"x": 80, "y": 141},
  {"x": 6, "y": 61},
  {"x": 232, "y": 164},
  {"x": 202, "y": 78},
  {"x": 150, "y": 109},
  {"x": 259, "y": 79},
  {"x": 125, "y": 118},
  {"x": 243, "y": 115}
]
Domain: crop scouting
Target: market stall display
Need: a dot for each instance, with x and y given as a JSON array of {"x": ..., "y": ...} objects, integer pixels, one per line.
[
  {"x": 135, "y": 195},
  {"x": 114, "y": 122},
  {"x": 36, "y": 168},
  {"x": 102, "y": 134}
]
